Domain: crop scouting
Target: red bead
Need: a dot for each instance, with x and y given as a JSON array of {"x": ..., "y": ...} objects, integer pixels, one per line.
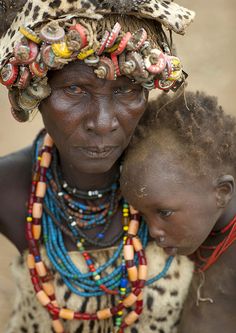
[
  {"x": 94, "y": 317},
  {"x": 33, "y": 247},
  {"x": 135, "y": 284},
  {"x": 120, "y": 307},
  {"x": 42, "y": 178},
  {"x": 129, "y": 241},
  {"x": 56, "y": 311},
  {"x": 139, "y": 310},
  {"x": 92, "y": 269},
  {"x": 35, "y": 279},
  {"x": 141, "y": 254},
  {"x": 32, "y": 244},
  {"x": 142, "y": 261},
  {"x": 123, "y": 325},
  {"x": 37, "y": 288},
  {"x": 37, "y": 221},
  {"x": 38, "y": 200},
  {"x": 31, "y": 200},
  {"x": 114, "y": 310},
  {"x": 52, "y": 298},
  {"x": 33, "y": 272},
  {"x": 129, "y": 263},
  {"x": 43, "y": 171},
  {"x": 86, "y": 316},
  {"x": 135, "y": 217},
  {"x": 78, "y": 315},
  {"x": 29, "y": 233},
  {"x": 139, "y": 303},
  {"x": 33, "y": 188},
  {"x": 141, "y": 283},
  {"x": 137, "y": 291},
  {"x": 50, "y": 307}
]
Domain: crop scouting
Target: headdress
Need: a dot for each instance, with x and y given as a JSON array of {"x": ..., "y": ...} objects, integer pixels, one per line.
[{"x": 46, "y": 35}]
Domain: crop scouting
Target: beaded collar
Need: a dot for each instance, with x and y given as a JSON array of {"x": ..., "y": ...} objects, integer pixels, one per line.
[
  {"x": 126, "y": 281},
  {"x": 204, "y": 263}
]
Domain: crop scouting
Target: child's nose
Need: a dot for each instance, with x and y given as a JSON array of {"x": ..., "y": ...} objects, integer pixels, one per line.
[{"x": 156, "y": 232}]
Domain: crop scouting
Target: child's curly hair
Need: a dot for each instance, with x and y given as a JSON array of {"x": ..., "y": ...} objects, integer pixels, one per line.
[{"x": 198, "y": 124}]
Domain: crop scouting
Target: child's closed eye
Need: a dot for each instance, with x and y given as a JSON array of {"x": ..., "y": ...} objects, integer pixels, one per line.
[{"x": 165, "y": 212}]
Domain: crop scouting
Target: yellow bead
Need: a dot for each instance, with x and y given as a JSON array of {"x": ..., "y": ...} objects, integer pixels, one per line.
[
  {"x": 125, "y": 228},
  {"x": 66, "y": 314},
  {"x": 125, "y": 237},
  {"x": 61, "y": 50},
  {"x": 120, "y": 313},
  {"x": 29, "y": 219},
  {"x": 39, "y": 158},
  {"x": 30, "y": 34},
  {"x": 122, "y": 289},
  {"x": 125, "y": 214},
  {"x": 85, "y": 54},
  {"x": 125, "y": 210}
]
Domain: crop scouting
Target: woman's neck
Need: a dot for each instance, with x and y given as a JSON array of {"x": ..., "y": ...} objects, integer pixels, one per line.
[{"x": 88, "y": 181}]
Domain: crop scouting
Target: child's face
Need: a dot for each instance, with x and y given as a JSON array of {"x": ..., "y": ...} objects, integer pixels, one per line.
[{"x": 180, "y": 209}]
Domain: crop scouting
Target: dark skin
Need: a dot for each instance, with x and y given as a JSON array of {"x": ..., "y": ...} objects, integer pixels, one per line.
[
  {"x": 183, "y": 209},
  {"x": 91, "y": 122}
]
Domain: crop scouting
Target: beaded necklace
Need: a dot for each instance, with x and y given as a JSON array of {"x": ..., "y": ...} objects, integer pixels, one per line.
[
  {"x": 217, "y": 250},
  {"x": 132, "y": 270}
]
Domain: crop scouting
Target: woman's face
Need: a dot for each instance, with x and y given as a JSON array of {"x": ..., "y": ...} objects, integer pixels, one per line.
[
  {"x": 91, "y": 120},
  {"x": 179, "y": 208}
]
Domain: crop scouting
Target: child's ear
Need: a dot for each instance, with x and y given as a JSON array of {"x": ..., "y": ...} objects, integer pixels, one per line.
[{"x": 224, "y": 188}]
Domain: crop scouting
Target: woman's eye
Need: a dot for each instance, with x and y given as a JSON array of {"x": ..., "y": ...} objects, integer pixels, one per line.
[
  {"x": 125, "y": 90},
  {"x": 165, "y": 213},
  {"x": 73, "y": 89}
]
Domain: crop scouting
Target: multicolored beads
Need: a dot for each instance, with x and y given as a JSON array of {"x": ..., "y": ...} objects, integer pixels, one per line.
[{"x": 129, "y": 272}]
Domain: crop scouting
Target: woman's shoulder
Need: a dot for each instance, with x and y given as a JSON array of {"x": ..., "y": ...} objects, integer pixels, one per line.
[
  {"x": 15, "y": 177},
  {"x": 15, "y": 169}
]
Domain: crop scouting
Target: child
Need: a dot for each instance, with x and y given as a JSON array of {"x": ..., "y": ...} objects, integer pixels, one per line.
[{"x": 179, "y": 172}]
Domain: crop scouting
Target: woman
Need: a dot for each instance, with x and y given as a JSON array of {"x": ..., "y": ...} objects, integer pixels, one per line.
[{"x": 87, "y": 66}]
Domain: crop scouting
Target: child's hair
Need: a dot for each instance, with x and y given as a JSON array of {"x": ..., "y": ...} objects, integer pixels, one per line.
[{"x": 198, "y": 125}]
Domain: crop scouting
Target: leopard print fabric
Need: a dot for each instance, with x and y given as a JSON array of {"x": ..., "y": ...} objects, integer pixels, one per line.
[
  {"x": 171, "y": 15},
  {"x": 163, "y": 300}
]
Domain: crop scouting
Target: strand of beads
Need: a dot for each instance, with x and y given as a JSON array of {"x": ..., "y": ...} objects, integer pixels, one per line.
[{"x": 39, "y": 273}]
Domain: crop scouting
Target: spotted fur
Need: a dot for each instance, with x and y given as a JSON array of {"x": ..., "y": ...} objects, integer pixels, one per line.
[
  {"x": 163, "y": 300},
  {"x": 35, "y": 12}
]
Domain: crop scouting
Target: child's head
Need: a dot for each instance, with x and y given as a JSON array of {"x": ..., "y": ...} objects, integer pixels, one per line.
[{"x": 179, "y": 170}]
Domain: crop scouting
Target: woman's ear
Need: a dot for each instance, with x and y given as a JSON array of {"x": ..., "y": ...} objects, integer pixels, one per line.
[{"x": 224, "y": 188}]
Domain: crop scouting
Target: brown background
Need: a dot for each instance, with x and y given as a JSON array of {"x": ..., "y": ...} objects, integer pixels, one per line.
[{"x": 208, "y": 53}]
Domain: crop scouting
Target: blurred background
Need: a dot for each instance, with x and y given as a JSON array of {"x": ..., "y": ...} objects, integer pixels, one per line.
[{"x": 208, "y": 53}]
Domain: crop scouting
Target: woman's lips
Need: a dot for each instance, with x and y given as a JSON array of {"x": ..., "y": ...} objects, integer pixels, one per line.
[{"x": 94, "y": 152}]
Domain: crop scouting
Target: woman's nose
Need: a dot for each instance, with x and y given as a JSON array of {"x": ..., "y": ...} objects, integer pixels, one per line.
[{"x": 102, "y": 119}]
